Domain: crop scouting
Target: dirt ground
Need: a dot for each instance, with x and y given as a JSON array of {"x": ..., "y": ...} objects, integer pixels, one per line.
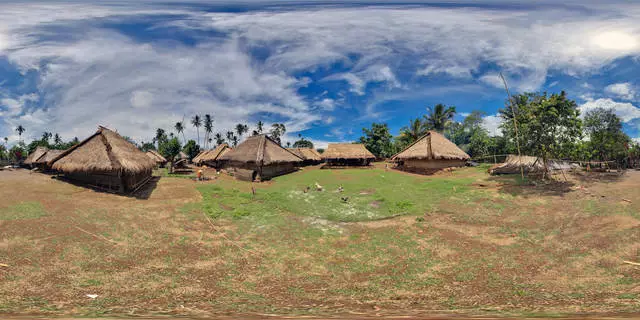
[{"x": 525, "y": 250}]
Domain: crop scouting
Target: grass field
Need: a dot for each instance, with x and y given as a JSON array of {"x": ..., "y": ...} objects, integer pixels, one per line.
[{"x": 397, "y": 243}]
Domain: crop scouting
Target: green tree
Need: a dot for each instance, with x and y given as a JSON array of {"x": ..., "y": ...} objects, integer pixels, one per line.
[
  {"x": 169, "y": 148},
  {"x": 219, "y": 139},
  {"x": 302, "y": 143},
  {"x": 18, "y": 152},
  {"x": 208, "y": 129},
  {"x": 191, "y": 149},
  {"x": 241, "y": 129},
  {"x": 378, "y": 140},
  {"x": 161, "y": 137},
  {"x": 197, "y": 122},
  {"x": 277, "y": 131},
  {"x": 548, "y": 125},
  {"x": 57, "y": 140},
  {"x": 439, "y": 117},
  {"x": 179, "y": 127},
  {"x": 146, "y": 146},
  {"x": 414, "y": 131},
  {"x": 20, "y": 130},
  {"x": 607, "y": 141},
  {"x": 259, "y": 127}
]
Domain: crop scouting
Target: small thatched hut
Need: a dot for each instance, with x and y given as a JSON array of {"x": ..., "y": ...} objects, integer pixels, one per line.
[
  {"x": 431, "y": 152},
  {"x": 43, "y": 161},
  {"x": 347, "y": 154},
  {"x": 260, "y": 158},
  {"x": 157, "y": 158},
  {"x": 212, "y": 158},
  {"x": 34, "y": 156},
  {"x": 107, "y": 161},
  {"x": 309, "y": 156}
]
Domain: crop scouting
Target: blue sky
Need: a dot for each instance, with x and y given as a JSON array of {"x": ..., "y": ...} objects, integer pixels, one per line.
[{"x": 324, "y": 68}]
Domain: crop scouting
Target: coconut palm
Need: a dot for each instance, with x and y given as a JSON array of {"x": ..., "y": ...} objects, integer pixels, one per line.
[
  {"x": 20, "y": 130},
  {"x": 219, "y": 138},
  {"x": 259, "y": 127},
  {"x": 160, "y": 135},
  {"x": 241, "y": 129},
  {"x": 179, "y": 126},
  {"x": 57, "y": 140},
  {"x": 414, "y": 131},
  {"x": 208, "y": 128},
  {"x": 197, "y": 122},
  {"x": 6, "y": 141},
  {"x": 46, "y": 136},
  {"x": 439, "y": 117}
]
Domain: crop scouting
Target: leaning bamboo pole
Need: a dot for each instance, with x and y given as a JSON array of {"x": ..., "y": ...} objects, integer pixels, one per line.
[{"x": 515, "y": 122}]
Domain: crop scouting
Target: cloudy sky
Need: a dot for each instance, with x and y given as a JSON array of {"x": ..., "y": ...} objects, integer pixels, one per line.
[{"x": 325, "y": 69}]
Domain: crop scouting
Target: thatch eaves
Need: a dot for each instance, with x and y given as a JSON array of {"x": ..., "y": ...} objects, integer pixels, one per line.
[
  {"x": 35, "y": 155},
  {"x": 155, "y": 156},
  {"x": 347, "y": 151},
  {"x": 261, "y": 150},
  {"x": 212, "y": 155},
  {"x": 104, "y": 152},
  {"x": 308, "y": 154},
  {"x": 432, "y": 146},
  {"x": 48, "y": 156}
]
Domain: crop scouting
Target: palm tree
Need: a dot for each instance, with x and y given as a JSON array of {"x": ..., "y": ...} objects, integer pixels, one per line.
[
  {"x": 208, "y": 128},
  {"x": 259, "y": 127},
  {"x": 439, "y": 117},
  {"x": 414, "y": 131},
  {"x": 180, "y": 129},
  {"x": 160, "y": 135},
  {"x": 241, "y": 129},
  {"x": 20, "y": 130},
  {"x": 219, "y": 138},
  {"x": 6, "y": 141},
  {"x": 197, "y": 122},
  {"x": 46, "y": 136},
  {"x": 57, "y": 140}
]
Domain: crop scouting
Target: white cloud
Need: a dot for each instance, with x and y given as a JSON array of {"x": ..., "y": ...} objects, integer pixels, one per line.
[
  {"x": 327, "y": 104},
  {"x": 141, "y": 99},
  {"x": 621, "y": 90},
  {"x": 626, "y": 111},
  {"x": 492, "y": 124}
]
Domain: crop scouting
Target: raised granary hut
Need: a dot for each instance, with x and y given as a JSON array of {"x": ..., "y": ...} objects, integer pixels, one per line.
[
  {"x": 309, "y": 156},
  {"x": 107, "y": 161},
  {"x": 260, "y": 158},
  {"x": 34, "y": 156},
  {"x": 157, "y": 158},
  {"x": 430, "y": 153},
  {"x": 347, "y": 154},
  {"x": 212, "y": 158}
]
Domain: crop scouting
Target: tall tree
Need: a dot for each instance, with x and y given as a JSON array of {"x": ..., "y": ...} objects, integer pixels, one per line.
[
  {"x": 277, "y": 131},
  {"x": 548, "y": 125},
  {"x": 241, "y": 129},
  {"x": 439, "y": 117},
  {"x": 20, "y": 130},
  {"x": 302, "y": 143},
  {"x": 607, "y": 141},
  {"x": 219, "y": 139},
  {"x": 169, "y": 148},
  {"x": 208, "y": 128},
  {"x": 259, "y": 127},
  {"x": 57, "y": 140},
  {"x": 412, "y": 132},
  {"x": 378, "y": 140},
  {"x": 160, "y": 137},
  {"x": 197, "y": 122},
  {"x": 6, "y": 141},
  {"x": 45, "y": 137},
  {"x": 191, "y": 149},
  {"x": 179, "y": 126}
]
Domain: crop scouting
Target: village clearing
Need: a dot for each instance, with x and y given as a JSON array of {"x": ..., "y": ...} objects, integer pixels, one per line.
[{"x": 389, "y": 243}]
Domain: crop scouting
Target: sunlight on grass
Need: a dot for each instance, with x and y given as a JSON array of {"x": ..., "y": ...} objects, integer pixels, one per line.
[{"x": 24, "y": 210}]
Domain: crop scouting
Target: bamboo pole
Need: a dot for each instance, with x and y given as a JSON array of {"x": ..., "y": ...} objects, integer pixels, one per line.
[{"x": 515, "y": 122}]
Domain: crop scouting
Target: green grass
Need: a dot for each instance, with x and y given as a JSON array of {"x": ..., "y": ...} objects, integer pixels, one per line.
[
  {"x": 23, "y": 210},
  {"x": 368, "y": 195}
]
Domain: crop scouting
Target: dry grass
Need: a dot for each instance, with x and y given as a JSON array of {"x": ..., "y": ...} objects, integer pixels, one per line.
[{"x": 494, "y": 246}]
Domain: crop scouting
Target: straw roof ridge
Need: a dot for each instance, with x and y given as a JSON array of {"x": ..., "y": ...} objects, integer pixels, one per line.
[
  {"x": 155, "y": 156},
  {"x": 347, "y": 151},
  {"x": 260, "y": 149},
  {"x": 306, "y": 153},
  {"x": 103, "y": 151},
  {"x": 432, "y": 146},
  {"x": 211, "y": 155},
  {"x": 48, "y": 156}
]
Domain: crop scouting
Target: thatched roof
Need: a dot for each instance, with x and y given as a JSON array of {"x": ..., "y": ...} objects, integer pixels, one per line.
[
  {"x": 347, "y": 151},
  {"x": 261, "y": 150},
  {"x": 155, "y": 156},
  {"x": 306, "y": 153},
  {"x": 212, "y": 155},
  {"x": 529, "y": 164},
  {"x": 432, "y": 146},
  {"x": 104, "y": 151},
  {"x": 48, "y": 156},
  {"x": 35, "y": 155}
]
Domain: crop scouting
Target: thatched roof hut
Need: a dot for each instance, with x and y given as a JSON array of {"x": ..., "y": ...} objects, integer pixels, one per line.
[
  {"x": 156, "y": 157},
  {"x": 308, "y": 155},
  {"x": 43, "y": 161},
  {"x": 431, "y": 152},
  {"x": 105, "y": 160},
  {"x": 350, "y": 154},
  {"x": 212, "y": 157},
  {"x": 259, "y": 157},
  {"x": 35, "y": 155}
]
